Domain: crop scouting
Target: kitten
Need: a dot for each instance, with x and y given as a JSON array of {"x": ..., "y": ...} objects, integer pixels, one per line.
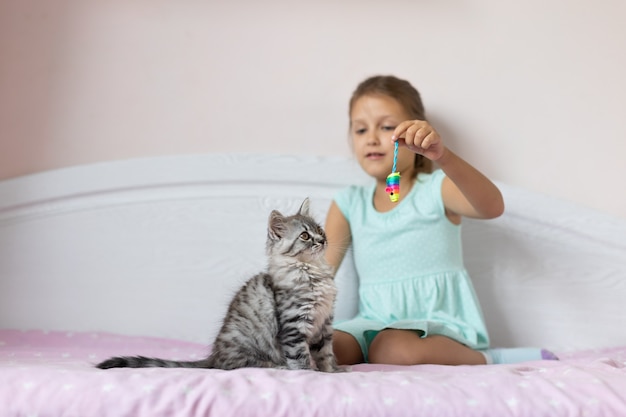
[{"x": 281, "y": 318}]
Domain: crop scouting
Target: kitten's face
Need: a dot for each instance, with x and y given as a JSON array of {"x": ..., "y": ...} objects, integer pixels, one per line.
[{"x": 297, "y": 236}]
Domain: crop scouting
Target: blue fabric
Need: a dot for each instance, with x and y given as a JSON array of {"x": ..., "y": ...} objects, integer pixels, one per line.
[{"x": 410, "y": 266}]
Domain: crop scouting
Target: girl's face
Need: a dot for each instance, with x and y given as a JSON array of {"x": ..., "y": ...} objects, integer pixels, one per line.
[{"x": 373, "y": 119}]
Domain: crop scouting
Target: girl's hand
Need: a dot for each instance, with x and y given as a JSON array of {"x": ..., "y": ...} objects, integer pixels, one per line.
[{"x": 420, "y": 137}]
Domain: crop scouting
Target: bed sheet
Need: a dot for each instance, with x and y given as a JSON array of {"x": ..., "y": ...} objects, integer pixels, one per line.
[{"x": 52, "y": 374}]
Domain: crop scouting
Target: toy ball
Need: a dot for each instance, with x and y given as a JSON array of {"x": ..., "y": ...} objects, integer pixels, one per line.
[{"x": 393, "y": 186}]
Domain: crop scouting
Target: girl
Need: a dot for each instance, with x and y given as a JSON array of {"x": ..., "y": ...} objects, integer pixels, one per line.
[{"x": 417, "y": 303}]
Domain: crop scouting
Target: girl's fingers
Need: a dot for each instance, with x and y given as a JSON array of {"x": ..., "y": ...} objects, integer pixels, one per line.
[
  {"x": 430, "y": 138},
  {"x": 416, "y": 134},
  {"x": 411, "y": 135},
  {"x": 419, "y": 136},
  {"x": 400, "y": 130},
  {"x": 409, "y": 128}
]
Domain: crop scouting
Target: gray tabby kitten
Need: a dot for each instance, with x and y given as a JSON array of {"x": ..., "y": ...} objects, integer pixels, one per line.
[{"x": 281, "y": 318}]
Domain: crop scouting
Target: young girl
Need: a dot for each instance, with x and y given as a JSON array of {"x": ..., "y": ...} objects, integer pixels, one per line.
[{"x": 417, "y": 303}]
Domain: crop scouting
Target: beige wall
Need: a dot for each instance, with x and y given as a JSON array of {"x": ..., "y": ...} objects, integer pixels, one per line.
[{"x": 530, "y": 92}]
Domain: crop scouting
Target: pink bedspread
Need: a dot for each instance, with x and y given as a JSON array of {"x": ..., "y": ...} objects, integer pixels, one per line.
[{"x": 51, "y": 374}]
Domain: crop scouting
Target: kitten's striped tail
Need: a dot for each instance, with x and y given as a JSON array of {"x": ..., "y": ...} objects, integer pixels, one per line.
[{"x": 143, "y": 362}]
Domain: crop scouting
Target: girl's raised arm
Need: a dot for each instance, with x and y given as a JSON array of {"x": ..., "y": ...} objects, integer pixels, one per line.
[
  {"x": 338, "y": 235},
  {"x": 466, "y": 191}
]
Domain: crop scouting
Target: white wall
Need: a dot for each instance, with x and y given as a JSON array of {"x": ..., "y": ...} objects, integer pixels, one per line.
[{"x": 530, "y": 92}]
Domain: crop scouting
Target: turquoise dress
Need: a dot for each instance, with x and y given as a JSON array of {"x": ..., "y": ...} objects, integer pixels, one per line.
[{"x": 410, "y": 267}]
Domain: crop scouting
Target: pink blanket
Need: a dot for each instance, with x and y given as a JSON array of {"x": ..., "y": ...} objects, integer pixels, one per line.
[{"x": 52, "y": 374}]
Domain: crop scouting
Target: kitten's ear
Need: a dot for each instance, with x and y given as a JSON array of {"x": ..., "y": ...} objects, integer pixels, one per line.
[
  {"x": 304, "y": 208},
  {"x": 276, "y": 225}
]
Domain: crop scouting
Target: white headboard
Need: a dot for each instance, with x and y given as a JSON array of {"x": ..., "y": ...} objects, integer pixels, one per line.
[{"x": 157, "y": 246}]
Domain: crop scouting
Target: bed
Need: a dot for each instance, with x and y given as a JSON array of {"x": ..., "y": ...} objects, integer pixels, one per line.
[{"x": 142, "y": 256}]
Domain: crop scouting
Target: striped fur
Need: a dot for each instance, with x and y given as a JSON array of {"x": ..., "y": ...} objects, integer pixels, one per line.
[{"x": 280, "y": 318}]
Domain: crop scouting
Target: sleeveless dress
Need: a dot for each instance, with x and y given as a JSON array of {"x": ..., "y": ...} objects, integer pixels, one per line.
[{"x": 410, "y": 266}]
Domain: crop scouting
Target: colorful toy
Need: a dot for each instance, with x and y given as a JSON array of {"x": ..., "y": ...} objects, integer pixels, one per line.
[{"x": 393, "y": 179}]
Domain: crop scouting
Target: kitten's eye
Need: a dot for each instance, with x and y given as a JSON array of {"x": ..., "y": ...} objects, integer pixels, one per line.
[{"x": 305, "y": 236}]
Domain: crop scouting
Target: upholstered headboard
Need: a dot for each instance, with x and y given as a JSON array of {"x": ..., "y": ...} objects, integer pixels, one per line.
[{"x": 157, "y": 246}]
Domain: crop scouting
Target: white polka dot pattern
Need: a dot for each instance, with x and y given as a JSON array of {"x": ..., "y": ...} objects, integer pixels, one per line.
[{"x": 52, "y": 374}]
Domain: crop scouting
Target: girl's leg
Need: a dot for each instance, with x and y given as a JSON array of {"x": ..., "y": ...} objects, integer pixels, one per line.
[
  {"x": 406, "y": 347},
  {"x": 346, "y": 348}
]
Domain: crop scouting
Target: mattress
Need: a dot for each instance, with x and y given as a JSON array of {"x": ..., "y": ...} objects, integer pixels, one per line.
[{"x": 52, "y": 373}]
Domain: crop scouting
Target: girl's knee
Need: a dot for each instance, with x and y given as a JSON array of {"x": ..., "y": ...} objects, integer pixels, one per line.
[
  {"x": 396, "y": 347},
  {"x": 346, "y": 348}
]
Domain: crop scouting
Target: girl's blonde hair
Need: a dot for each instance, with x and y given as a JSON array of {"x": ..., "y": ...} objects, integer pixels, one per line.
[{"x": 405, "y": 94}]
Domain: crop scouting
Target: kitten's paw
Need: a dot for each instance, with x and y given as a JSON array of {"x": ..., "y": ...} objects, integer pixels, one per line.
[
  {"x": 335, "y": 369},
  {"x": 340, "y": 369},
  {"x": 299, "y": 366}
]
